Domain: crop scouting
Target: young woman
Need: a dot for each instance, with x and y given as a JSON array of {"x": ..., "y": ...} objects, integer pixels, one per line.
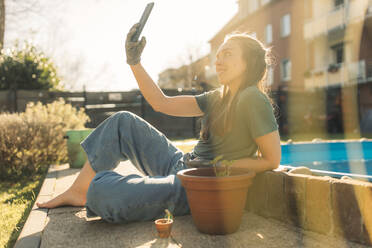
[{"x": 238, "y": 121}]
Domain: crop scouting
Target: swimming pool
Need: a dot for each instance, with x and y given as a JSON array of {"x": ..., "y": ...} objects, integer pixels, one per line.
[{"x": 334, "y": 158}]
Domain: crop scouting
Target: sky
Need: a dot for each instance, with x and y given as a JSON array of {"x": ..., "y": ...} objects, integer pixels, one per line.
[{"x": 86, "y": 38}]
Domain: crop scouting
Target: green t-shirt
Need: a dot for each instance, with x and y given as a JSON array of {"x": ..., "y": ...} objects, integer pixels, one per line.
[{"x": 254, "y": 117}]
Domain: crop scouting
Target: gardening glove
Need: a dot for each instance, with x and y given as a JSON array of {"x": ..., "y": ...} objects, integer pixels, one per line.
[
  {"x": 192, "y": 162},
  {"x": 134, "y": 49}
]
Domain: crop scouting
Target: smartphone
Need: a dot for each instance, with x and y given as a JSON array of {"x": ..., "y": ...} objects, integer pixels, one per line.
[{"x": 143, "y": 20}]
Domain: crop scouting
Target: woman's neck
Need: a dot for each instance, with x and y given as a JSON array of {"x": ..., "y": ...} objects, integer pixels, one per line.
[
  {"x": 233, "y": 90},
  {"x": 234, "y": 86}
]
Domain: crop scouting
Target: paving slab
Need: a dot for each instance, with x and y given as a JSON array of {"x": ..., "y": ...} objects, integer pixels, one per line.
[{"x": 69, "y": 227}]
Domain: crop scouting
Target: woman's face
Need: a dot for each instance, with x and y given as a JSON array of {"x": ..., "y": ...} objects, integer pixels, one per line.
[{"x": 230, "y": 66}]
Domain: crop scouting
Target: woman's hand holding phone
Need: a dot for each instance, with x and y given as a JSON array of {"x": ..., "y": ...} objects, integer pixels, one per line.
[{"x": 134, "y": 48}]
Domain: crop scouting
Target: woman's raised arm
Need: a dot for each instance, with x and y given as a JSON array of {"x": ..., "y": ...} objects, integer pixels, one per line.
[{"x": 184, "y": 106}]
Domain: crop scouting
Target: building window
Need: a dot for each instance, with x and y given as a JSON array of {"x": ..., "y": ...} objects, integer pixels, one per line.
[
  {"x": 263, "y": 2},
  {"x": 269, "y": 33},
  {"x": 285, "y": 24},
  {"x": 286, "y": 69},
  {"x": 338, "y": 53},
  {"x": 338, "y": 2}
]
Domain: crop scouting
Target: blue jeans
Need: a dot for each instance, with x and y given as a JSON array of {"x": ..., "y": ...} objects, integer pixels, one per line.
[{"x": 122, "y": 199}]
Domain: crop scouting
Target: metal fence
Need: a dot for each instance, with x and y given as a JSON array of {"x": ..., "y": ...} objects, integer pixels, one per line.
[
  {"x": 296, "y": 112},
  {"x": 100, "y": 105}
]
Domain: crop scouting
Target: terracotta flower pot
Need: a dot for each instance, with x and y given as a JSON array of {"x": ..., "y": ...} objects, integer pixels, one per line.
[
  {"x": 164, "y": 227},
  {"x": 216, "y": 203}
]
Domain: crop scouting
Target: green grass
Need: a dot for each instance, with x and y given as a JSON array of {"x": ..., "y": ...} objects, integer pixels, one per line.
[{"x": 16, "y": 201}]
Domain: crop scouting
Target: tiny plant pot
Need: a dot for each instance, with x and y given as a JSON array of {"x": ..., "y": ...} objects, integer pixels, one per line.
[{"x": 164, "y": 227}]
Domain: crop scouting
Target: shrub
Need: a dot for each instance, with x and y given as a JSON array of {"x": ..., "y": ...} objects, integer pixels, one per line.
[
  {"x": 27, "y": 69},
  {"x": 34, "y": 139}
]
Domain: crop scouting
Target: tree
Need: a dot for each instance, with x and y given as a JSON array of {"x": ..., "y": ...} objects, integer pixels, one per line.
[
  {"x": 10, "y": 12},
  {"x": 39, "y": 21},
  {"x": 27, "y": 69}
]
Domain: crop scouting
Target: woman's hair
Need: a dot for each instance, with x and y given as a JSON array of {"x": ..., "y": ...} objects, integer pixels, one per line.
[{"x": 258, "y": 58}]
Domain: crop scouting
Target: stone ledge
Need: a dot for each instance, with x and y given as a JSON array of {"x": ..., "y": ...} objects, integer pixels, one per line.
[
  {"x": 318, "y": 196},
  {"x": 335, "y": 207},
  {"x": 30, "y": 236}
]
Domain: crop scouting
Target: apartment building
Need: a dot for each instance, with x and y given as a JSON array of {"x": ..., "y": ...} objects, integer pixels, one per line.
[
  {"x": 322, "y": 75},
  {"x": 278, "y": 24},
  {"x": 338, "y": 34},
  {"x": 319, "y": 46},
  {"x": 271, "y": 21}
]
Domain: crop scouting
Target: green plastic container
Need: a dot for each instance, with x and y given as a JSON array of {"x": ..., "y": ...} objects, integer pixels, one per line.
[{"x": 76, "y": 154}]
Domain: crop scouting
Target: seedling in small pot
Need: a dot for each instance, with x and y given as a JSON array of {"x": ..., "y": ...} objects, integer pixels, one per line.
[
  {"x": 168, "y": 215},
  {"x": 221, "y": 167},
  {"x": 164, "y": 225}
]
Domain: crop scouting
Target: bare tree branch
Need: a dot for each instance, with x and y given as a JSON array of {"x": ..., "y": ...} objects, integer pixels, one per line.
[
  {"x": 2, "y": 23},
  {"x": 20, "y": 7}
]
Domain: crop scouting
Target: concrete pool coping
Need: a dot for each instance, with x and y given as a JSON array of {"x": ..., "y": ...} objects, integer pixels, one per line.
[
  {"x": 319, "y": 140},
  {"x": 67, "y": 226},
  {"x": 333, "y": 174}
]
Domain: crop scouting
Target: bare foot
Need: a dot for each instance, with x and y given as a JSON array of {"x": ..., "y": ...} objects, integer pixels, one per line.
[
  {"x": 68, "y": 198},
  {"x": 76, "y": 194}
]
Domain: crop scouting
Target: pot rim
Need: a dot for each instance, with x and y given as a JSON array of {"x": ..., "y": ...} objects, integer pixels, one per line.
[
  {"x": 157, "y": 221},
  {"x": 247, "y": 173}
]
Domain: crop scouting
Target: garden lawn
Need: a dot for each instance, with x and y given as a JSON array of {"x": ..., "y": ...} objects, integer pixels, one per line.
[{"x": 16, "y": 201}]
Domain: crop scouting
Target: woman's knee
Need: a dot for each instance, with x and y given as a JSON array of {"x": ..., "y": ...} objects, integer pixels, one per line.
[
  {"x": 124, "y": 119},
  {"x": 124, "y": 115}
]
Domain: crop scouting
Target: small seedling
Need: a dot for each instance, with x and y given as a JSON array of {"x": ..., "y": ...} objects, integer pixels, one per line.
[
  {"x": 164, "y": 225},
  {"x": 217, "y": 162},
  {"x": 168, "y": 215}
]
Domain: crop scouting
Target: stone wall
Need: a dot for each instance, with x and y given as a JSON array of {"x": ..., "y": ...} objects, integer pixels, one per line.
[{"x": 335, "y": 207}]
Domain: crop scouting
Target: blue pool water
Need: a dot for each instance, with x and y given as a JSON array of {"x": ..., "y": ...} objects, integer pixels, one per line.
[{"x": 336, "y": 159}]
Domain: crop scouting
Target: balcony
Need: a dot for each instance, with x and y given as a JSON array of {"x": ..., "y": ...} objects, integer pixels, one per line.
[
  {"x": 336, "y": 19},
  {"x": 336, "y": 74}
]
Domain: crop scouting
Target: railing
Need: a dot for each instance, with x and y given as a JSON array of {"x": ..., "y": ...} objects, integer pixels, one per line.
[
  {"x": 369, "y": 69},
  {"x": 337, "y": 74},
  {"x": 100, "y": 105}
]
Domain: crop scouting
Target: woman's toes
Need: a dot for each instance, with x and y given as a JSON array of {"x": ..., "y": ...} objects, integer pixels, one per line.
[{"x": 68, "y": 198}]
